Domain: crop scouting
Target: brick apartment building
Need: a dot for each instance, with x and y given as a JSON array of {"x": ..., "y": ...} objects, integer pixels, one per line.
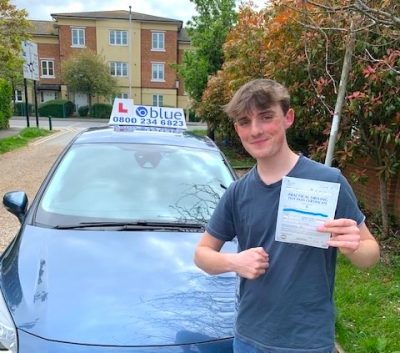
[{"x": 142, "y": 65}]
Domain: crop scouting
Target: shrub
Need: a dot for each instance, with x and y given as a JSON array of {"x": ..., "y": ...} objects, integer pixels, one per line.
[
  {"x": 193, "y": 117},
  {"x": 5, "y": 103},
  {"x": 20, "y": 110},
  {"x": 58, "y": 108},
  {"x": 101, "y": 110},
  {"x": 83, "y": 110}
]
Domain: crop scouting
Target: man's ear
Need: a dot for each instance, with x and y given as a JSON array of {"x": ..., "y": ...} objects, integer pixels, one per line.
[
  {"x": 289, "y": 118},
  {"x": 235, "y": 126}
]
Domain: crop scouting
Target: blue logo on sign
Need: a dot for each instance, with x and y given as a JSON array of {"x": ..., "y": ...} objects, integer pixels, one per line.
[{"x": 141, "y": 111}]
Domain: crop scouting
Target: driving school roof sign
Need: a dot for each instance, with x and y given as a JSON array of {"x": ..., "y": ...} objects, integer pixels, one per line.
[{"x": 124, "y": 112}]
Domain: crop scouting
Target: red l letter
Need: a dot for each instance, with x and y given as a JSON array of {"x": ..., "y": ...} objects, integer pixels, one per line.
[{"x": 121, "y": 108}]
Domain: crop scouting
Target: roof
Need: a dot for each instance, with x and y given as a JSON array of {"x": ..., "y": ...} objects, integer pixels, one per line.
[
  {"x": 118, "y": 15},
  {"x": 107, "y": 134},
  {"x": 183, "y": 36},
  {"x": 43, "y": 28},
  {"x": 49, "y": 28}
]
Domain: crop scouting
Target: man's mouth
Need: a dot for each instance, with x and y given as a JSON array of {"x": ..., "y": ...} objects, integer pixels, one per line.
[{"x": 258, "y": 142}]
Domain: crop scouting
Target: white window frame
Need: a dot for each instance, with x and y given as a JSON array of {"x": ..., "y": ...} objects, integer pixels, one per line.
[
  {"x": 49, "y": 66},
  {"x": 119, "y": 69},
  {"x": 118, "y": 37},
  {"x": 158, "y": 41},
  {"x": 19, "y": 95},
  {"x": 158, "y": 100},
  {"x": 80, "y": 36},
  {"x": 158, "y": 72},
  {"x": 42, "y": 96}
]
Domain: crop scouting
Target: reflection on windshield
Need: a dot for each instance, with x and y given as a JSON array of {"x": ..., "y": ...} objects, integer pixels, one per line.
[
  {"x": 198, "y": 201},
  {"x": 134, "y": 182}
]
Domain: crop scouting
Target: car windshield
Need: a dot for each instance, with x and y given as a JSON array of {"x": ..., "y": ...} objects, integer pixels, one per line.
[{"x": 134, "y": 183}]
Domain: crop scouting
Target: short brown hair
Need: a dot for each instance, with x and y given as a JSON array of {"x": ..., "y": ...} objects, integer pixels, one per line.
[{"x": 257, "y": 94}]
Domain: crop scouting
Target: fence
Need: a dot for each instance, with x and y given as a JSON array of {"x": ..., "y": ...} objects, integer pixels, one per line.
[{"x": 369, "y": 192}]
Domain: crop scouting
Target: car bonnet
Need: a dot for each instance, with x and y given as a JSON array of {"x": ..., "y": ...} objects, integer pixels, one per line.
[{"x": 123, "y": 288}]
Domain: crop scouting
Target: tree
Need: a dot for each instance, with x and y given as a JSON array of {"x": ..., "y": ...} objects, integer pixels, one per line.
[
  {"x": 210, "y": 108},
  {"x": 374, "y": 111},
  {"x": 14, "y": 27},
  {"x": 267, "y": 43},
  {"x": 373, "y": 30},
  {"x": 243, "y": 60},
  {"x": 5, "y": 103},
  {"x": 244, "y": 49},
  {"x": 207, "y": 32},
  {"x": 303, "y": 45},
  {"x": 88, "y": 73}
]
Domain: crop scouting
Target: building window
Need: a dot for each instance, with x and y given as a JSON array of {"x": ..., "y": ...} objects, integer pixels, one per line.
[
  {"x": 119, "y": 95},
  {"x": 118, "y": 68},
  {"x": 18, "y": 95},
  {"x": 78, "y": 37},
  {"x": 157, "y": 41},
  {"x": 157, "y": 71},
  {"x": 158, "y": 100},
  {"x": 47, "y": 68},
  {"x": 47, "y": 96},
  {"x": 118, "y": 37}
]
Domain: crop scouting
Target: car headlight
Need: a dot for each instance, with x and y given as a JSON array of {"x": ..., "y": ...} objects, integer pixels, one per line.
[{"x": 8, "y": 334}]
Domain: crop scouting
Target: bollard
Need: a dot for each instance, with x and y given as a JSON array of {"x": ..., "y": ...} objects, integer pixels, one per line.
[{"x": 50, "y": 124}]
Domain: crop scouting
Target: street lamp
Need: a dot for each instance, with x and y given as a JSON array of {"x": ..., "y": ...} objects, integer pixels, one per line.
[{"x": 130, "y": 52}]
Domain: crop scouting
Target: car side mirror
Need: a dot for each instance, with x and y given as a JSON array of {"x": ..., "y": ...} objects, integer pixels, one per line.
[{"x": 16, "y": 202}]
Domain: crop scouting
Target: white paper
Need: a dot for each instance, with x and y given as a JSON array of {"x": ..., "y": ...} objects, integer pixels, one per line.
[{"x": 305, "y": 204}]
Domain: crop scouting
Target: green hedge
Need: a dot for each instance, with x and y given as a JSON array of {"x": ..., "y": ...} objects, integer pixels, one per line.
[
  {"x": 193, "y": 117},
  {"x": 5, "y": 103},
  {"x": 58, "y": 108},
  {"x": 20, "y": 109},
  {"x": 83, "y": 110},
  {"x": 101, "y": 110}
]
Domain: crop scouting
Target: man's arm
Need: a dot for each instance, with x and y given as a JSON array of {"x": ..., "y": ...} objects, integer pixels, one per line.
[
  {"x": 249, "y": 264},
  {"x": 354, "y": 241}
]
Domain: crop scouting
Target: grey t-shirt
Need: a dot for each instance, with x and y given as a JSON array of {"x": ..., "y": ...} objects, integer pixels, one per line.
[{"x": 290, "y": 309}]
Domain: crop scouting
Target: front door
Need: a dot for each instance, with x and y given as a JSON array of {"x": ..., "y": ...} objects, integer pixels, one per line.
[{"x": 81, "y": 99}]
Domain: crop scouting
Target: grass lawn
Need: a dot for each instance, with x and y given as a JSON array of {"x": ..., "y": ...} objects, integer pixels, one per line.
[
  {"x": 11, "y": 143},
  {"x": 368, "y": 307}
]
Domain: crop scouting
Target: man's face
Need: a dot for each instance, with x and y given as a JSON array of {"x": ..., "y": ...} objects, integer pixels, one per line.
[{"x": 263, "y": 131}]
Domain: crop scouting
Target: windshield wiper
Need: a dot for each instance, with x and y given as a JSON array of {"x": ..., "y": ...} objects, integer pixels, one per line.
[{"x": 137, "y": 225}]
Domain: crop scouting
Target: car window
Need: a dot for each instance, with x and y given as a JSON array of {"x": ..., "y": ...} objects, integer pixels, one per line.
[{"x": 134, "y": 182}]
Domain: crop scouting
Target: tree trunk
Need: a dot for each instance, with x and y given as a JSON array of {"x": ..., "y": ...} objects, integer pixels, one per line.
[
  {"x": 210, "y": 132},
  {"x": 384, "y": 205},
  {"x": 340, "y": 98}
]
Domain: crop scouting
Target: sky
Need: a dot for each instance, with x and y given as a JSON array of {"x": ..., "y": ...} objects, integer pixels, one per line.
[{"x": 176, "y": 9}]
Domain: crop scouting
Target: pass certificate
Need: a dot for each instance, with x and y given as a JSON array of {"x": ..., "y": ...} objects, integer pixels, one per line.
[{"x": 303, "y": 205}]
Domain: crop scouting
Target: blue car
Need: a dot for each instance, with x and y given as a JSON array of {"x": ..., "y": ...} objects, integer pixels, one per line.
[{"x": 103, "y": 261}]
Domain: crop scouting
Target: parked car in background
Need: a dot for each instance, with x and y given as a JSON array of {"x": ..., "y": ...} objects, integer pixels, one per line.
[{"x": 103, "y": 261}]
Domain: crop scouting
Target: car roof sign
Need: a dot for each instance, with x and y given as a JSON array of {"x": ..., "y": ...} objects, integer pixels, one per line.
[{"x": 126, "y": 113}]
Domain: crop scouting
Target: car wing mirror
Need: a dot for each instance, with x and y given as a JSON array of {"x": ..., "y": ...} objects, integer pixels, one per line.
[{"x": 16, "y": 202}]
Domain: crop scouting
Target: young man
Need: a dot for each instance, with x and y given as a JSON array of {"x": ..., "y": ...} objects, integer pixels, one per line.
[{"x": 286, "y": 290}]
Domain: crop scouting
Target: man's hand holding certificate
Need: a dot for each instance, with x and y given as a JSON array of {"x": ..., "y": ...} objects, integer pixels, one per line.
[{"x": 303, "y": 206}]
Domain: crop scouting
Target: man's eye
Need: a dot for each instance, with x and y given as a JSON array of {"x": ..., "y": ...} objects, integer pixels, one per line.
[
  {"x": 267, "y": 117},
  {"x": 242, "y": 122}
]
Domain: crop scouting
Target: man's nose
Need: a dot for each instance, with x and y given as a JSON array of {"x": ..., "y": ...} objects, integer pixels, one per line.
[{"x": 255, "y": 127}]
